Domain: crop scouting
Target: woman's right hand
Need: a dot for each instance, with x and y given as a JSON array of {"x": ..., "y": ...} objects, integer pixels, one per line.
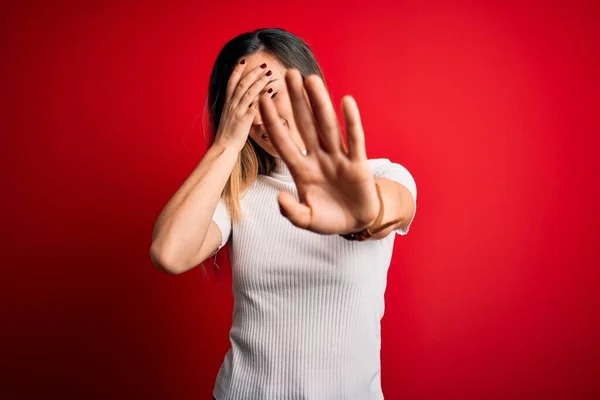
[{"x": 241, "y": 105}]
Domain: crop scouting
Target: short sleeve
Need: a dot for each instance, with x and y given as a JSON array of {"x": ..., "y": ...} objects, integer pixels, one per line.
[
  {"x": 384, "y": 168},
  {"x": 222, "y": 218}
]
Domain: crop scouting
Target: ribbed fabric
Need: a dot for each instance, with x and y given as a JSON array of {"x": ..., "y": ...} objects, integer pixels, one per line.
[{"x": 307, "y": 307}]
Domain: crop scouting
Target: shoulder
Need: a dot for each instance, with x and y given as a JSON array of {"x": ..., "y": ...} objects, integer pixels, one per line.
[
  {"x": 385, "y": 168},
  {"x": 383, "y": 164}
]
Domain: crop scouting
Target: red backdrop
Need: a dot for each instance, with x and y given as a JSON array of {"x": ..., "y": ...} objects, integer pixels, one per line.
[{"x": 494, "y": 109}]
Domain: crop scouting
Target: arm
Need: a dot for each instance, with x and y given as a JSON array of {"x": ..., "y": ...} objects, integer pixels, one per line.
[
  {"x": 179, "y": 238},
  {"x": 398, "y": 203},
  {"x": 182, "y": 226}
]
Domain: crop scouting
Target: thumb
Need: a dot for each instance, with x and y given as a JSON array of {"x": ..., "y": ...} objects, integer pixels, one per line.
[{"x": 298, "y": 213}]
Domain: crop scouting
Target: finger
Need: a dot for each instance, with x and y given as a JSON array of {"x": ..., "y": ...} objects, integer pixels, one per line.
[
  {"x": 344, "y": 146},
  {"x": 253, "y": 91},
  {"x": 253, "y": 109},
  {"x": 303, "y": 115},
  {"x": 326, "y": 118},
  {"x": 299, "y": 214},
  {"x": 246, "y": 82},
  {"x": 234, "y": 78},
  {"x": 354, "y": 129},
  {"x": 287, "y": 149}
]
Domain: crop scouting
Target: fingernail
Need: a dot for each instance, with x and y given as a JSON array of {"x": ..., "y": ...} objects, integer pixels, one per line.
[
  {"x": 264, "y": 65},
  {"x": 269, "y": 73},
  {"x": 243, "y": 61},
  {"x": 270, "y": 90}
]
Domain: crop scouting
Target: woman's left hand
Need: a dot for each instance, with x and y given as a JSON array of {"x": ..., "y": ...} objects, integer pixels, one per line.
[{"x": 335, "y": 185}]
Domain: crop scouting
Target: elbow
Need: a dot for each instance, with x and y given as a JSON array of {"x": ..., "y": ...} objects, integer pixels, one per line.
[{"x": 164, "y": 262}]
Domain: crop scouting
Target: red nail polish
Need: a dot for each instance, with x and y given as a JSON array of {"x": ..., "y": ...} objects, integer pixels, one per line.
[
  {"x": 243, "y": 61},
  {"x": 269, "y": 73},
  {"x": 270, "y": 90},
  {"x": 264, "y": 65}
]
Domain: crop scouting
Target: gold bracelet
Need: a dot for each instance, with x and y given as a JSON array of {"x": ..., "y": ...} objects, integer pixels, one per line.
[{"x": 373, "y": 229}]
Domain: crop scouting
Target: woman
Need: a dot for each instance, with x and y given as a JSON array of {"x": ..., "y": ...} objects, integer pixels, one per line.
[{"x": 311, "y": 222}]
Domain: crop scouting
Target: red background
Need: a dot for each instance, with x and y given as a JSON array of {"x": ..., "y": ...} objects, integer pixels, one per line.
[{"x": 494, "y": 293}]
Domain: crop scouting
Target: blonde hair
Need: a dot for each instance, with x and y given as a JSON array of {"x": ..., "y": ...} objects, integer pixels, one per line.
[{"x": 251, "y": 161}]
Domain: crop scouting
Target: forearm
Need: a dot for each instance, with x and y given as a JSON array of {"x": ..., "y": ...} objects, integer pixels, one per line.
[
  {"x": 398, "y": 204},
  {"x": 182, "y": 225}
]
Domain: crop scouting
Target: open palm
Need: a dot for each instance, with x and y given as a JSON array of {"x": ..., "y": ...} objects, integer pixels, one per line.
[{"x": 335, "y": 185}]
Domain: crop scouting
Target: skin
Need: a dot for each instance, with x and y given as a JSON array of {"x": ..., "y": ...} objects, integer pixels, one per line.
[
  {"x": 281, "y": 101},
  {"x": 335, "y": 184}
]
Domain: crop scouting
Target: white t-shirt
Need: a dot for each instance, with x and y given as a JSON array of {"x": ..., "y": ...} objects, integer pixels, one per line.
[{"x": 307, "y": 307}]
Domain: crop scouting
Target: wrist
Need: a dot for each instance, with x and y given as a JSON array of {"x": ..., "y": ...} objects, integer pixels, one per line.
[
  {"x": 376, "y": 227},
  {"x": 372, "y": 228},
  {"x": 227, "y": 145}
]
